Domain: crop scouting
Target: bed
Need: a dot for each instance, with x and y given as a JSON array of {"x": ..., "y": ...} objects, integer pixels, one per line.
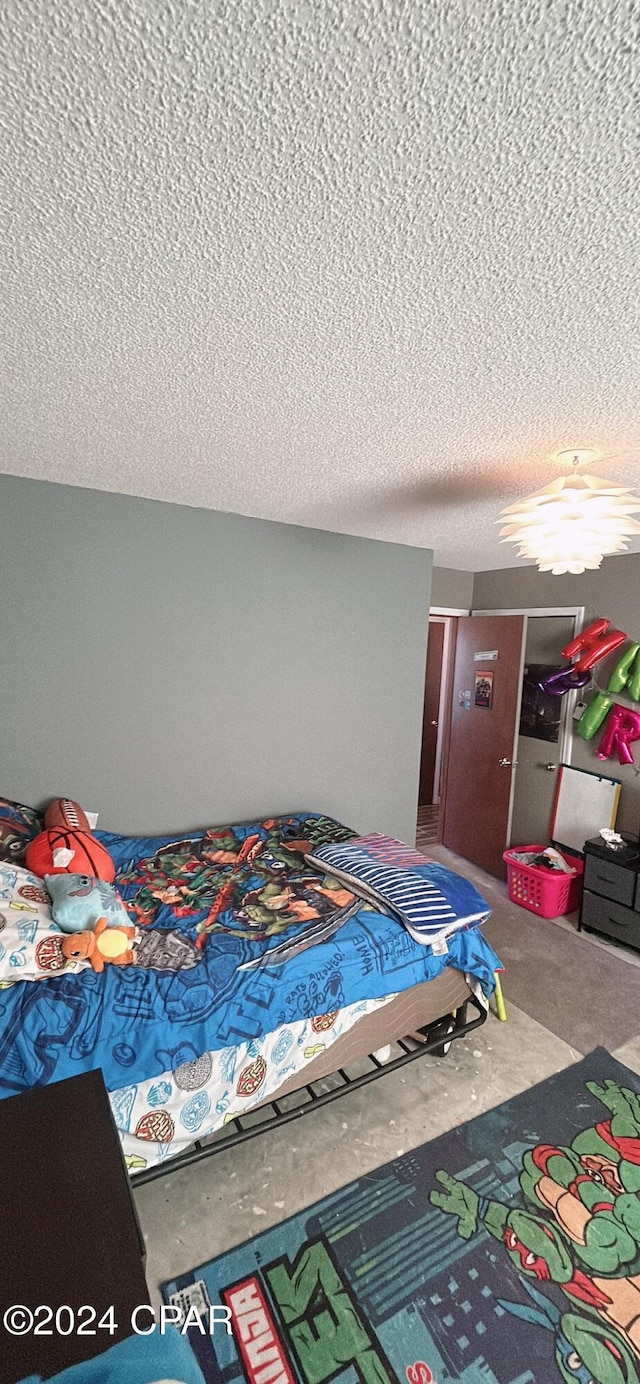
[{"x": 257, "y": 975}]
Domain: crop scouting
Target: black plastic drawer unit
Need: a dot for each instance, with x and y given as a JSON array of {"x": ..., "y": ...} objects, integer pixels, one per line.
[
  {"x": 611, "y": 897},
  {"x": 608, "y": 878},
  {"x": 603, "y": 915}
]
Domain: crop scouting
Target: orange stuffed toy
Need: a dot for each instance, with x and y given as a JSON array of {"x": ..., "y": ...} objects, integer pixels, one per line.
[{"x": 104, "y": 945}]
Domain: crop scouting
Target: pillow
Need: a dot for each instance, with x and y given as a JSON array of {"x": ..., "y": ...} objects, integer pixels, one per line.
[
  {"x": 79, "y": 900},
  {"x": 18, "y": 826},
  {"x": 30, "y": 941},
  {"x": 58, "y": 850}
]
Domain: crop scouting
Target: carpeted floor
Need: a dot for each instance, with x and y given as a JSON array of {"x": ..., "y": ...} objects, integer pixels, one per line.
[
  {"x": 448, "y": 1263},
  {"x": 585, "y": 991}
]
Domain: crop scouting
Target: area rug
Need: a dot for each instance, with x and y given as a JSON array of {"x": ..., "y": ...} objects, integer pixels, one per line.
[{"x": 505, "y": 1252}]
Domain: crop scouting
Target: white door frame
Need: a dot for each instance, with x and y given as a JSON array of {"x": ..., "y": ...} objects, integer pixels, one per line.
[
  {"x": 569, "y": 699},
  {"x": 448, "y": 610}
]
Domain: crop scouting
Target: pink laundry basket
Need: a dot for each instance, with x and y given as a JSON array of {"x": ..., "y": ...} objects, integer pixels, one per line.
[{"x": 546, "y": 892}]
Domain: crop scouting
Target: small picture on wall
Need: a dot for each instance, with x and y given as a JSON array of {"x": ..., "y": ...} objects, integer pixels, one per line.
[{"x": 484, "y": 689}]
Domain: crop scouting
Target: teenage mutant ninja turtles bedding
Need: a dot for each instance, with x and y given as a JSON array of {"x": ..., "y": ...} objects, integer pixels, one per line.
[{"x": 241, "y": 938}]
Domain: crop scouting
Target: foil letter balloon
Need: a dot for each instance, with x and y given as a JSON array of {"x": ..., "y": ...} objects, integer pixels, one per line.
[
  {"x": 593, "y": 644},
  {"x": 622, "y": 728},
  {"x": 622, "y": 673},
  {"x": 633, "y": 680},
  {"x": 583, "y": 641},
  {"x": 592, "y": 718},
  {"x": 563, "y": 680}
]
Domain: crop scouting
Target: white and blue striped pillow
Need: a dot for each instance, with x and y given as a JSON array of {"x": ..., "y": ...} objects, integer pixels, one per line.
[{"x": 417, "y": 900}]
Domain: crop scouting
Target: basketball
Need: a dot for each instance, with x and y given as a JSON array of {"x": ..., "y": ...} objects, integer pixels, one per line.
[
  {"x": 89, "y": 857},
  {"x": 62, "y": 812}
]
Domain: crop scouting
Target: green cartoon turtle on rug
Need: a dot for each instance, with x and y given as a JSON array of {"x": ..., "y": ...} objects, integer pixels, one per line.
[{"x": 581, "y": 1230}]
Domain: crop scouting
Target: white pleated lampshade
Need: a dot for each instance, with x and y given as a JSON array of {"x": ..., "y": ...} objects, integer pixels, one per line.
[{"x": 572, "y": 523}]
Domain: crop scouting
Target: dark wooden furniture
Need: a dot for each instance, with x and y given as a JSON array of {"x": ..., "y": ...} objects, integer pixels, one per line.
[
  {"x": 611, "y": 896},
  {"x": 70, "y": 1234}
]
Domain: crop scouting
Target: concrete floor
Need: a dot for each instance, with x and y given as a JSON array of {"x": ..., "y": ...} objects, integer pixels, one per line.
[{"x": 190, "y": 1216}]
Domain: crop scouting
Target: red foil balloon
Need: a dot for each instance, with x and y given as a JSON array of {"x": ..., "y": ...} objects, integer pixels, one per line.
[{"x": 593, "y": 644}]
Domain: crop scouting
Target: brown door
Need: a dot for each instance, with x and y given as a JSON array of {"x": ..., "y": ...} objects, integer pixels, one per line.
[
  {"x": 541, "y": 731},
  {"x": 484, "y": 710},
  {"x": 431, "y": 710}
]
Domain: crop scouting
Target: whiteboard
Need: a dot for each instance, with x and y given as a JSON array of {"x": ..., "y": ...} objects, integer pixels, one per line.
[{"x": 585, "y": 803}]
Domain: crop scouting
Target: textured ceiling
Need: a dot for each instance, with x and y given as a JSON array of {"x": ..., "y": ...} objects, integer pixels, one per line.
[{"x": 359, "y": 265}]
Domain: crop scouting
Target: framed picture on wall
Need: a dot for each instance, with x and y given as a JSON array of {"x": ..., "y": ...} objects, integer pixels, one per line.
[{"x": 484, "y": 689}]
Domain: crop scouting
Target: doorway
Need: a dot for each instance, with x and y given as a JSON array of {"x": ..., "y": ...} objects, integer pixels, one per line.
[
  {"x": 506, "y": 739},
  {"x": 440, "y": 643}
]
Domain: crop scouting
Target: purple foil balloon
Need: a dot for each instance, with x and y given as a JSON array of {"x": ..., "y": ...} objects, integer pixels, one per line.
[{"x": 563, "y": 680}]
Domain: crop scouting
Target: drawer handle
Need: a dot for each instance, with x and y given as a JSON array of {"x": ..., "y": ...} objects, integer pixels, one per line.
[{"x": 618, "y": 923}]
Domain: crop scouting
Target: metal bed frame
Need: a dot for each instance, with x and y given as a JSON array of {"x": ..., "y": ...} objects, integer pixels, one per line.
[{"x": 435, "y": 1038}]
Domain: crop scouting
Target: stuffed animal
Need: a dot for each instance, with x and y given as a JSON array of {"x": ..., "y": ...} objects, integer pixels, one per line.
[
  {"x": 105, "y": 945},
  {"x": 67, "y": 846}
]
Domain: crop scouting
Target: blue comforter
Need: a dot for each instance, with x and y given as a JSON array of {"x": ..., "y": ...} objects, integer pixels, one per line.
[{"x": 231, "y": 972}]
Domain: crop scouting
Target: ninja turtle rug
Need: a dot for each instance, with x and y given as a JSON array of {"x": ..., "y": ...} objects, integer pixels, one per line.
[{"x": 505, "y": 1252}]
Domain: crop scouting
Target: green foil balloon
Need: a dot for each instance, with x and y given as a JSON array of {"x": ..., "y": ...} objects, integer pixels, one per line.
[
  {"x": 620, "y": 674},
  {"x": 633, "y": 684},
  {"x": 592, "y": 718}
]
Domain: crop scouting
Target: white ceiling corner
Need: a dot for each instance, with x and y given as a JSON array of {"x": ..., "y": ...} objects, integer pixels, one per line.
[{"x": 361, "y": 266}]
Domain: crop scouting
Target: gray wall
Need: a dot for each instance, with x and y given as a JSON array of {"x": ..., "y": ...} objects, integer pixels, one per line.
[
  {"x": 173, "y": 667},
  {"x": 451, "y": 588},
  {"x": 612, "y": 591}
]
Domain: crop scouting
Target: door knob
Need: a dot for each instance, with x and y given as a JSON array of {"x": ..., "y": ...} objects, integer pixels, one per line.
[
  {"x": 434, "y": 723},
  {"x": 504, "y": 763},
  {"x": 551, "y": 767}
]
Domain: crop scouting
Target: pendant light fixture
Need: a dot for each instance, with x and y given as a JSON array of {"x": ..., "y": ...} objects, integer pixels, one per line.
[{"x": 573, "y": 523}]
